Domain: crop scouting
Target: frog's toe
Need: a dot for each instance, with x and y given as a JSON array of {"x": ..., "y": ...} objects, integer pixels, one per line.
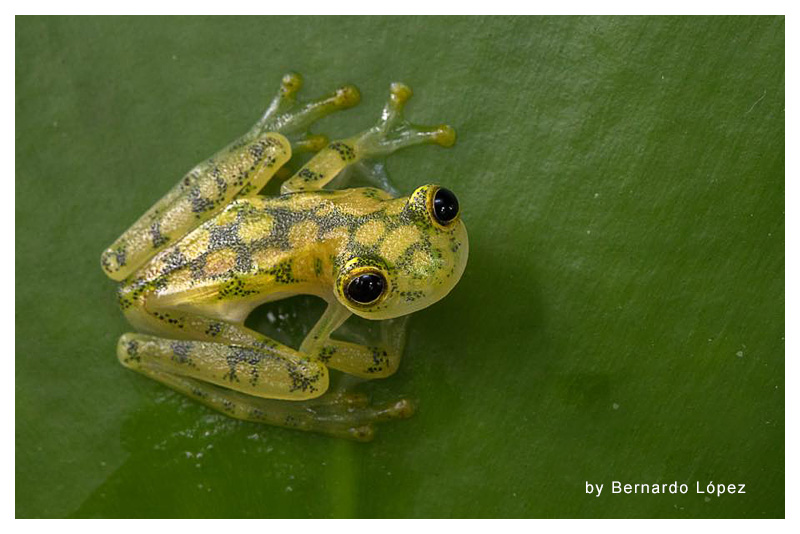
[
  {"x": 311, "y": 143},
  {"x": 393, "y": 131},
  {"x": 356, "y": 400},
  {"x": 291, "y": 83},
  {"x": 399, "y": 93},
  {"x": 362, "y": 433},
  {"x": 291, "y": 117},
  {"x": 402, "y": 409},
  {"x": 445, "y": 135},
  {"x": 337, "y": 401},
  {"x": 347, "y": 96}
]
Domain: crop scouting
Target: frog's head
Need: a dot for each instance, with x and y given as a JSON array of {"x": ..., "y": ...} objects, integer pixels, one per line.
[{"x": 419, "y": 255}]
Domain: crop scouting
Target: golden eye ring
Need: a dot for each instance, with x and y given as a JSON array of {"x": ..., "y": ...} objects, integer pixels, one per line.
[{"x": 365, "y": 286}]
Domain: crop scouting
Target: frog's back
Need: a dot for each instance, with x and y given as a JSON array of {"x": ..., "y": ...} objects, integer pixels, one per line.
[{"x": 257, "y": 250}]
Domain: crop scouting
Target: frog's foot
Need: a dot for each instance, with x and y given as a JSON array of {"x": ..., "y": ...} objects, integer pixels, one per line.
[
  {"x": 394, "y": 132},
  {"x": 347, "y": 415},
  {"x": 340, "y": 415},
  {"x": 291, "y": 118}
]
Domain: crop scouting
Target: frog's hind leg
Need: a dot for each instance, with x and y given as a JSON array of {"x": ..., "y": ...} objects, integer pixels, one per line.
[
  {"x": 392, "y": 133},
  {"x": 191, "y": 367},
  {"x": 268, "y": 370},
  {"x": 196, "y": 198},
  {"x": 243, "y": 168}
]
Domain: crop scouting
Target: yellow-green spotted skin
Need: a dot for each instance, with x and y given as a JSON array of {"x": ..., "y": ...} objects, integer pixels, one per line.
[{"x": 197, "y": 263}]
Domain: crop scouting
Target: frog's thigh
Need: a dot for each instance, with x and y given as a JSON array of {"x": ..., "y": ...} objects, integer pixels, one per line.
[{"x": 270, "y": 371}]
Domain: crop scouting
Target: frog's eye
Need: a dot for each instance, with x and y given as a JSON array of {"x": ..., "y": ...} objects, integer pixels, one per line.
[
  {"x": 365, "y": 288},
  {"x": 445, "y": 206}
]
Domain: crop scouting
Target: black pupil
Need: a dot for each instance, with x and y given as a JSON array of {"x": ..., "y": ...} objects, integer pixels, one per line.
[
  {"x": 445, "y": 205},
  {"x": 365, "y": 288}
]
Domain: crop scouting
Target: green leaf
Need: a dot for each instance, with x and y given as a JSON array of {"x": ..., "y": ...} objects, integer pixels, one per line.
[{"x": 621, "y": 317}]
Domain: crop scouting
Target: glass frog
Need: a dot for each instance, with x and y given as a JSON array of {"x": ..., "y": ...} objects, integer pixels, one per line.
[{"x": 195, "y": 265}]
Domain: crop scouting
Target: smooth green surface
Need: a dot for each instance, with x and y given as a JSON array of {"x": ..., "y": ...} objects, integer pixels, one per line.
[{"x": 621, "y": 316}]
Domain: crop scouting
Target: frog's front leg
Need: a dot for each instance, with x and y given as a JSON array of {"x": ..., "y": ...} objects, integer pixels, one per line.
[
  {"x": 392, "y": 133},
  {"x": 376, "y": 361}
]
